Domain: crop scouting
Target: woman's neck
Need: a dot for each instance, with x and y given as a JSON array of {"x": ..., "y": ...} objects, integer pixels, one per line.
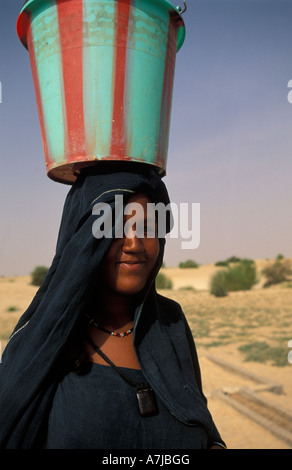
[{"x": 115, "y": 310}]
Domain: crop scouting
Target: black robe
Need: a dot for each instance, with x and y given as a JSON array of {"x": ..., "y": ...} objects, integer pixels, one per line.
[{"x": 33, "y": 358}]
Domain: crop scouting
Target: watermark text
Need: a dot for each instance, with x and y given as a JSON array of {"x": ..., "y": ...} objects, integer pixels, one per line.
[{"x": 180, "y": 220}]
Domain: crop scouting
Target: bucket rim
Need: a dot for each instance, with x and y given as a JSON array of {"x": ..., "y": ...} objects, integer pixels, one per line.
[{"x": 22, "y": 26}]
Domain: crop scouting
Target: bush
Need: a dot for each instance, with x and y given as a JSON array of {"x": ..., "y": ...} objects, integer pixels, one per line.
[
  {"x": 162, "y": 281},
  {"x": 233, "y": 259},
  {"x": 221, "y": 263},
  {"x": 218, "y": 287},
  {"x": 260, "y": 351},
  {"x": 240, "y": 277},
  {"x": 277, "y": 272},
  {"x": 188, "y": 264},
  {"x": 38, "y": 275},
  {"x": 12, "y": 308},
  {"x": 280, "y": 256},
  {"x": 246, "y": 260}
]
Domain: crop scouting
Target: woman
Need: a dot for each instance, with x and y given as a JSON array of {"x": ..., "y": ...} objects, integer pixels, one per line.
[{"x": 66, "y": 382}]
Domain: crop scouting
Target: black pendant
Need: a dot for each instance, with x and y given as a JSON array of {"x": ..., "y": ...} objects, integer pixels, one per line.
[{"x": 146, "y": 400}]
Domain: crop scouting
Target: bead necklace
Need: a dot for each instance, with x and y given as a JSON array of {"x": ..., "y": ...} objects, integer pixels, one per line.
[{"x": 112, "y": 333}]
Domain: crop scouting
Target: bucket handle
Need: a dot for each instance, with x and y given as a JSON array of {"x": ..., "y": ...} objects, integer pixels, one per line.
[{"x": 179, "y": 9}]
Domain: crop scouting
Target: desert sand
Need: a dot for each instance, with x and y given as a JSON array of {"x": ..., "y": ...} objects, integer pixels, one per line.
[{"x": 251, "y": 401}]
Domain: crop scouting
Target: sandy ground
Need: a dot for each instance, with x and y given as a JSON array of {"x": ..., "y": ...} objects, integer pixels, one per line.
[{"x": 235, "y": 319}]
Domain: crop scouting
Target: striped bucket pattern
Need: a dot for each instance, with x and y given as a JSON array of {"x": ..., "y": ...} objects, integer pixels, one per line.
[{"x": 103, "y": 74}]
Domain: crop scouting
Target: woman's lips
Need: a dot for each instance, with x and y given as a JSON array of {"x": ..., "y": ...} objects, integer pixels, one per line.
[{"x": 131, "y": 265}]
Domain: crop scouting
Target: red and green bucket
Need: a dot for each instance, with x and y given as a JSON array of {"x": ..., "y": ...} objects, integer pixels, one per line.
[{"x": 103, "y": 73}]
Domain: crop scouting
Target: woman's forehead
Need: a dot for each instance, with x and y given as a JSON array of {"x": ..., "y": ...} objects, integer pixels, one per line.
[
  {"x": 141, "y": 207},
  {"x": 139, "y": 198}
]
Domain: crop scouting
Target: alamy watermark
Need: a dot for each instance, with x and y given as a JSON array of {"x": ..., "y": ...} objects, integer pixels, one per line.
[
  {"x": 289, "y": 96},
  {"x": 183, "y": 220}
]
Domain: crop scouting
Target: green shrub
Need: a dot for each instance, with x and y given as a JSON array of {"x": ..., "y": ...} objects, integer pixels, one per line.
[
  {"x": 162, "y": 281},
  {"x": 240, "y": 277},
  {"x": 247, "y": 260},
  {"x": 260, "y": 351},
  {"x": 277, "y": 272},
  {"x": 38, "y": 275},
  {"x": 218, "y": 284},
  {"x": 221, "y": 263},
  {"x": 233, "y": 259},
  {"x": 188, "y": 264},
  {"x": 12, "y": 308}
]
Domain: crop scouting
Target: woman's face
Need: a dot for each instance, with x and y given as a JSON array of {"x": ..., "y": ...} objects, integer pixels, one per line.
[{"x": 131, "y": 259}]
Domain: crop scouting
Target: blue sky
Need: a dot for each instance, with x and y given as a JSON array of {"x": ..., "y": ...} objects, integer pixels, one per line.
[{"x": 230, "y": 141}]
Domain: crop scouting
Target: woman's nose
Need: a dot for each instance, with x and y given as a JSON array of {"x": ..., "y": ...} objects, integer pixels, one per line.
[{"x": 132, "y": 243}]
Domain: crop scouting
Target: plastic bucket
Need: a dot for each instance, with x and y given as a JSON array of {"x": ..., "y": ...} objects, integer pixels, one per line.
[{"x": 103, "y": 74}]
